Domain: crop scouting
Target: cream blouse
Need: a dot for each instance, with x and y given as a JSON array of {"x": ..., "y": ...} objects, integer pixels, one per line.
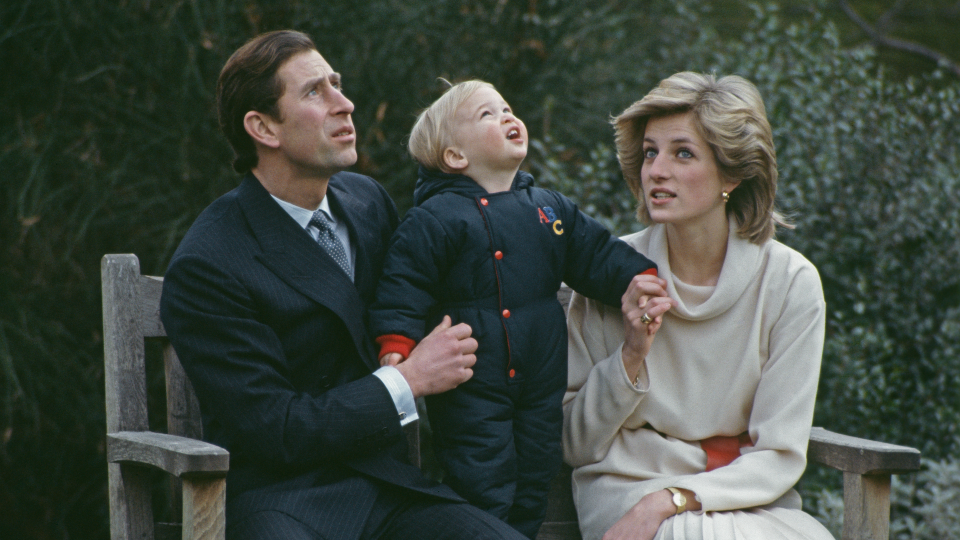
[{"x": 743, "y": 356}]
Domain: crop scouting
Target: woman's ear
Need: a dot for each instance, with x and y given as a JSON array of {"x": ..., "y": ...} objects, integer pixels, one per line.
[
  {"x": 454, "y": 159},
  {"x": 261, "y": 128},
  {"x": 729, "y": 186}
]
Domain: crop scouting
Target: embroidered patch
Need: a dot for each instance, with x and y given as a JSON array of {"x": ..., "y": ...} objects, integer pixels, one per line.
[{"x": 548, "y": 216}]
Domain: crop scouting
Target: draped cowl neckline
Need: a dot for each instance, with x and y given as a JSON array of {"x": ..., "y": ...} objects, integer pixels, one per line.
[{"x": 740, "y": 267}]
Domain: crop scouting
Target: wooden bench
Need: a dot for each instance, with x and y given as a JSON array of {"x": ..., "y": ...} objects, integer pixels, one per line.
[
  {"x": 198, "y": 470},
  {"x": 131, "y": 315}
]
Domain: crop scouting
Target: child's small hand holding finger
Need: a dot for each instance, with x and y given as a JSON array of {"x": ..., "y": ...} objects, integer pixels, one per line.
[{"x": 391, "y": 359}]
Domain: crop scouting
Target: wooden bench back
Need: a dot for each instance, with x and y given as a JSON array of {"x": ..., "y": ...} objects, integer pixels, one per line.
[
  {"x": 131, "y": 316},
  {"x": 131, "y": 307}
]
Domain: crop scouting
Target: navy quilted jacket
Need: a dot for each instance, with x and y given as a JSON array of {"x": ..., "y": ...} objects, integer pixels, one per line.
[{"x": 496, "y": 261}]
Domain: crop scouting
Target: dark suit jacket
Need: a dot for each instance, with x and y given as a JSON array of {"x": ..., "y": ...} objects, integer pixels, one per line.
[{"x": 272, "y": 335}]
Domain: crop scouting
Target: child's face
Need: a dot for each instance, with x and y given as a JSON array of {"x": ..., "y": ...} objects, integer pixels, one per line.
[{"x": 488, "y": 134}]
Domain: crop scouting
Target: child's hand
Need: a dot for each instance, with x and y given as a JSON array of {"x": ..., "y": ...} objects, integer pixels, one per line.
[{"x": 391, "y": 359}]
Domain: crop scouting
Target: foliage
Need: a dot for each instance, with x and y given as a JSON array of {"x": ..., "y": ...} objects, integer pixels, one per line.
[
  {"x": 868, "y": 171},
  {"x": 924, "y": 505},
  {"x": 927, "y": 505},
  {"x": 110, "y": 144},
  {"x": 869, "y": 168},
  {"x": 827, "y": 505},
  {"x": 541, "y": 56}
]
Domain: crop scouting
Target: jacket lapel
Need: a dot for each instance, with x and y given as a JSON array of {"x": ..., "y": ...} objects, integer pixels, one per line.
[{"x": 290, "y": 253}]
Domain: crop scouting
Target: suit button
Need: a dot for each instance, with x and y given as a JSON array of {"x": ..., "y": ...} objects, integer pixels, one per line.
[
  {"x": 513, "y": 373},
  {"x": 484, "y": 201},
  {"x": 498, "y": 255},
  {"x": 506, "y": 314}
]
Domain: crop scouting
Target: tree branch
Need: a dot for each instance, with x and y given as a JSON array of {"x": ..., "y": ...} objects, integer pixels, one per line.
[
  {"x": 881, "y": 39},
  {"x": 883, "y": 23}
]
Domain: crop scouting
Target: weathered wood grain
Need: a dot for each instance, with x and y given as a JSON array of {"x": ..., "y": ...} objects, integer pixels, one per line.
[
  {"x": 131, "y": 314},
  {"x": 860, "y": 456},
  {"x": 866, "y": 506},
  {"x": 203, "y": 503},
  {"x": 176, "y": 455}
]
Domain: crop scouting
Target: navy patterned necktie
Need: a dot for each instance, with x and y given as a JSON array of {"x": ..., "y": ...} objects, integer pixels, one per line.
[{"x": 330, "y": 243}]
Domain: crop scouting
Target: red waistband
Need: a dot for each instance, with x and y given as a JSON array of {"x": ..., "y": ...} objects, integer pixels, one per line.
[{"x": 723, "y": 450}]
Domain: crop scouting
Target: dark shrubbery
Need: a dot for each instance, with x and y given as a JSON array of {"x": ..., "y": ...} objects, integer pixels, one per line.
[{"x": 109, "y": 144}]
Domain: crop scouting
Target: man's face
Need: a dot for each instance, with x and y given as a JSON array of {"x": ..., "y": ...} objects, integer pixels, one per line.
[{"x": 314, "y": 129}]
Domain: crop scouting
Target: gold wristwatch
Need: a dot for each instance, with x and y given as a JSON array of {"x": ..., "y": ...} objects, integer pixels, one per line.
[{"x": 678, "y": 499}]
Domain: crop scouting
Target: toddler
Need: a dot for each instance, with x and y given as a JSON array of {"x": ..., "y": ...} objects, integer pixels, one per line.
[{"x": 486, "y": 247}]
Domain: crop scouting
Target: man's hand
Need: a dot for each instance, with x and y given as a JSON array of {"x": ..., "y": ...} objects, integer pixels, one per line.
[{"x": 441, "y": 361}]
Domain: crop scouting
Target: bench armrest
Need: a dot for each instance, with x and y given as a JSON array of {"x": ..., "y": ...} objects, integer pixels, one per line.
[
  {"x": 860, "y": 456},
  {"x": 179, "y": 456}
]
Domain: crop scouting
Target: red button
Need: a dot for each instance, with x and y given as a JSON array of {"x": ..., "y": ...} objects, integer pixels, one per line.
[
  {"x": 498, "y": 255},
  {"x": 512, "y": 373},
  {"x": 484, "y": 202},
  {"x": 506, "y": 314}
]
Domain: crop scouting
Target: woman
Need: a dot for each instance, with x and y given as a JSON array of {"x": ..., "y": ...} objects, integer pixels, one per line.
[{"x": 688, "y": 411}]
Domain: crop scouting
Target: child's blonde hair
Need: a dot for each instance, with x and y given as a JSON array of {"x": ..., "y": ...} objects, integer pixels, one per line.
[{"x": 432, "y": 132}]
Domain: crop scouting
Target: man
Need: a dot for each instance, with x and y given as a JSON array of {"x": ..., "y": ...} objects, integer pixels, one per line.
[{"x": 265, "y": 301}]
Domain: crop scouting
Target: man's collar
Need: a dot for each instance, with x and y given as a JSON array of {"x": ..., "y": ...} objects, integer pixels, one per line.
[{"x": 302, "y": 215}]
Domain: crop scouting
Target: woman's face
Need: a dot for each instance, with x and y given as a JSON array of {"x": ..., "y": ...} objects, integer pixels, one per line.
[{"x": 680, "y": 178}]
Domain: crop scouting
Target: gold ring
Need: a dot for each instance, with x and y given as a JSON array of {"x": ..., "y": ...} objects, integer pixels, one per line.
[{"x": 645, "y": 319}]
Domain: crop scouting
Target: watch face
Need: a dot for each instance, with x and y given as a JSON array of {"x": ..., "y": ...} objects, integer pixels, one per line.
[{"x": 680, "y": 502}]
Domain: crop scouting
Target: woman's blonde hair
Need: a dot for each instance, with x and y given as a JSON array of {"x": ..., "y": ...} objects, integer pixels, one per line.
[
  {"x": 730, "y": 116},
  {"x": 432, "y": 132}
]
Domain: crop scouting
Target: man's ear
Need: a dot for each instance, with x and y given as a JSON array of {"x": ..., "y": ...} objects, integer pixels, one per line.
[
  {"x": 454, "y": 159},
  {"x": 261, "y": 128}
]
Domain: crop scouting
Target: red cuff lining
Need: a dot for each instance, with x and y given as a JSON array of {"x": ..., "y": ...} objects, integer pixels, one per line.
[{"x": 395, "y": 343}]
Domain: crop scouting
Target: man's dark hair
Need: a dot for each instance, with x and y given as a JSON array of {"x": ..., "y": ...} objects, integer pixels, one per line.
[{"x": 249, "y": 82}]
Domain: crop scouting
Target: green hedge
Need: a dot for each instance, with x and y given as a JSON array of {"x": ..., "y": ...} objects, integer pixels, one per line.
[
  {"x": 870, "y": 173},
  {"x": 109, "y": 144}
]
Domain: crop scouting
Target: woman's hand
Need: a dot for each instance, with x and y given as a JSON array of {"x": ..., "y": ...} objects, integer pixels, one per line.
[
  {"x": 646, "y": 296},
  {"x": 642, "y": 521}
]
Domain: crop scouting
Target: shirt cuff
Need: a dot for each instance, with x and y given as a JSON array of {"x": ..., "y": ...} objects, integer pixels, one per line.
[{"x": 400, "y": 393}]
